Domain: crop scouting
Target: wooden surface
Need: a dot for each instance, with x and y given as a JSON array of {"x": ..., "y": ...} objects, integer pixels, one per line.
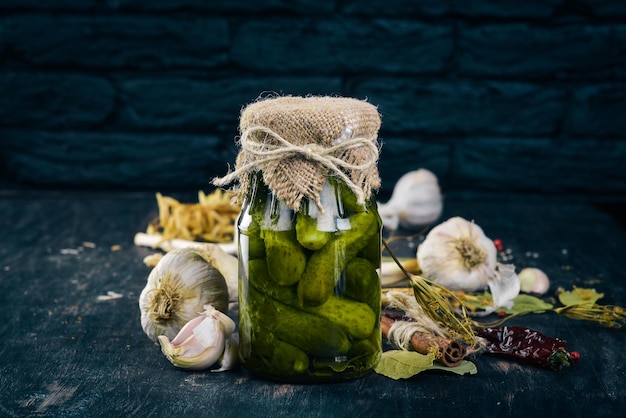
[{"x": 65, "y": 353}]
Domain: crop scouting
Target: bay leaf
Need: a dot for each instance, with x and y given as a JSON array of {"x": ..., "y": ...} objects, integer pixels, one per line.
[
  {"x": 402, "y": 364},
  {"x": 524, "y": 303},
  {"x": 466, "y": 367}
]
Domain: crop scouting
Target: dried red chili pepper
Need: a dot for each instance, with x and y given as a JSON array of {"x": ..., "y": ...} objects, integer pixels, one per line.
[{"x": 527, "y": 345}]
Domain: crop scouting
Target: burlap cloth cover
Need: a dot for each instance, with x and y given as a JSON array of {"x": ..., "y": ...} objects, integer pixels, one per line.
[{"x": 296, "y": 142}]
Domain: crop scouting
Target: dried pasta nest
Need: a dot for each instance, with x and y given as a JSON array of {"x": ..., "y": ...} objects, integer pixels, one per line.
[{"x": 212, "y": 219}]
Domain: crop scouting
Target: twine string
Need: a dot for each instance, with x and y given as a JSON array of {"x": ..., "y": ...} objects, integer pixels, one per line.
[
  {"x": 421, "y": 321},
  {"x": 400, "y": 334},
  {"x": 265, "y": 152}
]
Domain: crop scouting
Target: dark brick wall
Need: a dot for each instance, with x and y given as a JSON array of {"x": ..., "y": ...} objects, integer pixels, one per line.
[{"x": 492, "y": 95}]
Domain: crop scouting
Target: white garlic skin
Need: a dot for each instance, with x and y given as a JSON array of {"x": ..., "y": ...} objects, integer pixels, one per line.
[
  {"x": 183, "y": 273},
  {"x": 415, "y": 201},
  {"x": 533, "y": 280},
  {"x": 440, "y": 260},
  {"x": 230, "y": 358},
  {"x": 226, "y": 264}
]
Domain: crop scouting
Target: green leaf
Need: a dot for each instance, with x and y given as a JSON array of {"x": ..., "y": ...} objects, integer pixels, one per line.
[
  {"x": 466, "y": 367},
  {"x": 579, "y": 296},
  {"x": 401, "y": 364},
  {"x": 524, "y": 303}
]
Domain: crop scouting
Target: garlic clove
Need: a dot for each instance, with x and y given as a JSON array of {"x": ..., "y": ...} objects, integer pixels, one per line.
[
  {"x": 201, "y": 342},
  {"x": 533, "y": 280},
  {"x": 230, "y": 358}
]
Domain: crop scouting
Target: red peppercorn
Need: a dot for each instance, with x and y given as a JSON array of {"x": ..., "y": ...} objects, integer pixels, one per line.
[
  {"x": 501, "y": 314},
  {"x": 499, "y": 245},
  {"x": 574, "y": 355}
]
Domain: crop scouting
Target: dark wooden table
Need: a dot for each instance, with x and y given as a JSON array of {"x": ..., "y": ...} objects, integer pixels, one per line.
[{"x": 64, "y": 352}]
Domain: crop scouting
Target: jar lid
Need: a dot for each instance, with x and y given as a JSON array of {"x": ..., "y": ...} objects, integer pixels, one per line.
[
  {"x": 313, "y": 120},
  {"x": 296, "y": 142}
]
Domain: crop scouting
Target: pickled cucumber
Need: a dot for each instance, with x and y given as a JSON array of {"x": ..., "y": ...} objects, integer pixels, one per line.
[
  {"x": 288, "y": 359},
  {"x": 373, "y": 250},
  {"x": 278, "y": 357},
  {"x": 303, "y": 315},
  {"x": 355, "y": 318},
  {"x": 255, "y": 245},
  {"x": 370, "y": 347},
  {"x": 260, "y": 312},
  {"x": 308, "y": 332},
  {"x": 307, "y": 233},
  {"x": 251, "y": 221},
  {"x": 363, "y": 282},
  {"x": 259, "y": 278},
  {"x": 285, "y": 257},
  {"x": 325, "y": 266},
  {"x": 257, "y": 205},
  {"x": 348, "y": 198}
]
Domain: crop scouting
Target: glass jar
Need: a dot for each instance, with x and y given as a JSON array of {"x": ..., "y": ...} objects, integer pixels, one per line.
[{"x": 309, "y": 288}]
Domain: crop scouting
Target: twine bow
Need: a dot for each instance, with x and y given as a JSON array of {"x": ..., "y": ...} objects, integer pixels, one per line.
[{"x": 262, "y": 153}]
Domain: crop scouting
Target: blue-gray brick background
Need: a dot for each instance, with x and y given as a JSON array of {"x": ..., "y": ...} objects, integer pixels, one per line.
[{"x": 491, "y": 95}]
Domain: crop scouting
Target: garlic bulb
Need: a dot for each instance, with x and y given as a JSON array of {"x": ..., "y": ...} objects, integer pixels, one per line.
[
  {"x": 203, "y": 342},
  {"x": 177, "y": 289},
  {"x": 226, "y": 264},
  {"x": 415, "y": 201},
  {"x": 457, "y": 255}
]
